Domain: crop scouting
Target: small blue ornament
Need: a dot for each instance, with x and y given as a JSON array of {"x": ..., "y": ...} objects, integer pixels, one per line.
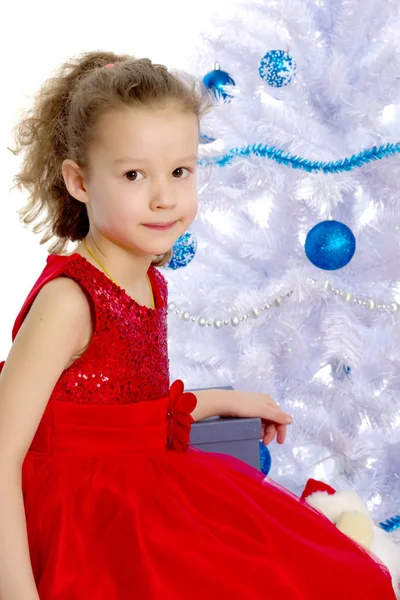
[
  {"x": 277, "y": 67},
  {"x": 214, "y": 82},
  {"x": 206, "y": 139},
  {"x": 330, "y": 245},
  {"x": 341, "y": 371},
  {"x": 265, "y": 459},
  {"x": 391, "y": 524},
  {"x": 183, "y": 251}
]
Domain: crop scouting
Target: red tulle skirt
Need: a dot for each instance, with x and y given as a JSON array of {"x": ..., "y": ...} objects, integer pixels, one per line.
[{"x": 118, "y": 509}]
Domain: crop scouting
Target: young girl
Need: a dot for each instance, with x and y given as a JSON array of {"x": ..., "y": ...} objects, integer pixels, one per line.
[{"x": 101, "y": 498}]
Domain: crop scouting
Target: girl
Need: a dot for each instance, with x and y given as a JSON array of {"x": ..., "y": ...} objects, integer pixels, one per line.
[{"x": 101, "y": 497}]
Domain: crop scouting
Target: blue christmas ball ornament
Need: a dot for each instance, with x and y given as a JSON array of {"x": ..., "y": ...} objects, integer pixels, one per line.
[
  {"x": 265, "y": 459},
  {"x": 215, "y": 81},
  {"x": 183, "y": 251},
  {"x": 330, "y": 245},
  {"x": 278, "y": 68}
]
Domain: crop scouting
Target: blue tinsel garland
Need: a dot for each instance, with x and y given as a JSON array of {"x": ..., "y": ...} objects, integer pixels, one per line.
[
  {"x": 391, "y": 524},
  {"x": 296, "y": 162}
]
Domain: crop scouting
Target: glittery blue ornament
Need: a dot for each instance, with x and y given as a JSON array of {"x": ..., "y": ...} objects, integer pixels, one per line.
[
  {"x": 265, "y": 459},
  {"x": 215, "y": 81},
  {"x": 277, "y": 67},
  {"x": 183, "y": 251},
  {"x": 330, "y": 245}
]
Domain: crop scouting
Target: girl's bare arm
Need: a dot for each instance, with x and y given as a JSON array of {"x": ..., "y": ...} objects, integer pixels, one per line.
[{"x": 55, "y": 328}]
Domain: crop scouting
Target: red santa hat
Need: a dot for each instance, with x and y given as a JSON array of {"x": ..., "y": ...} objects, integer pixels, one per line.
[{"x": 313, "y": 486}]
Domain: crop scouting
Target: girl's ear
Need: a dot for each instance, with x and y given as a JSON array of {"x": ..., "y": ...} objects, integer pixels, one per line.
[{"x": 74, "y": 180}]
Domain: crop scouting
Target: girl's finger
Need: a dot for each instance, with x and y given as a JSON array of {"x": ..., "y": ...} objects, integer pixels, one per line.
[
  {"x": 276, "y": 416},
  {"x": 265, "y": 425},
  {"x": 281, "y": 433},
  {"x": 269, "y": 433}
]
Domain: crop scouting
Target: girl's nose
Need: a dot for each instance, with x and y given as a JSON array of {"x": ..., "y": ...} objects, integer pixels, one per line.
[{"x": 163, "y": 197}]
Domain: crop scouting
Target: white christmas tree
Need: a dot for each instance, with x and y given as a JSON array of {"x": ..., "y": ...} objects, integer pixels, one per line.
[{"x": 251, "y": 310}]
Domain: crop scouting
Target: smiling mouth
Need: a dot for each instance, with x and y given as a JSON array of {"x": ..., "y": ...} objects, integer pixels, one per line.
[{"x": 160, "y": 225}]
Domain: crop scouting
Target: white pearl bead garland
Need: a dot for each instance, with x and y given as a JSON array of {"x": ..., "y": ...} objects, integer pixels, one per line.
[
  {"x": 349, "y": 297},
  {"x": 255, "y": 312},
  {"x": 232, "y": 321}
]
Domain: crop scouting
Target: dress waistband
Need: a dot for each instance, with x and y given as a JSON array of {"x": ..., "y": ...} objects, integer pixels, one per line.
[{"x": 99, "y": 430}]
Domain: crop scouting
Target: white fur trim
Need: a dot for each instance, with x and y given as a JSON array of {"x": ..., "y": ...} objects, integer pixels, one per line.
[{"x": 333, "y": 505}]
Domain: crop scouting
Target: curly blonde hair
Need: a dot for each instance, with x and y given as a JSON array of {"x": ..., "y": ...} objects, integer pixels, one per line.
[{"x": 62, "y": 124}]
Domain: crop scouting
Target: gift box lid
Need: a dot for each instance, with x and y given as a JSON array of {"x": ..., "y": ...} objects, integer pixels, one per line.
[{"x": 224, "y": 429}]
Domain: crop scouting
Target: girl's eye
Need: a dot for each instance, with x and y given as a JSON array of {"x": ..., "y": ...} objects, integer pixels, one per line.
[
  {"x": 133, "y": 175},
  {"x": 179, "y": 173}
]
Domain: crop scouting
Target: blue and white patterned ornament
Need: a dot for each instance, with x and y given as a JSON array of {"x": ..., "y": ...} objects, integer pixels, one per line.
[
  {"x": 330, "y": 245},
  {"x": 216, "y": 80},
  {"x": 265, "y": 459},
  {"x": 277, "y": 67},
  {"x": 183, "y": 251}
]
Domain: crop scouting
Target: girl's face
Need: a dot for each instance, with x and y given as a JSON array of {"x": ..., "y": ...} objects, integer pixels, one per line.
[{"x": 142, "y": 173}]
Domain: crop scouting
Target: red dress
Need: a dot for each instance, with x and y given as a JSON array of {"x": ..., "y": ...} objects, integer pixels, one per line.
[{"x": 117, "y": 506}]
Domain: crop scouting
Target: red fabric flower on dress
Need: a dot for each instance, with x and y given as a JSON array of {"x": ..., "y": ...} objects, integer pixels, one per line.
[{"x": 179, "y": 419}]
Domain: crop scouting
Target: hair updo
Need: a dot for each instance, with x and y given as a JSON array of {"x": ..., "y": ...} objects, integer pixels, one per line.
[{"x": 62, "y": 124}]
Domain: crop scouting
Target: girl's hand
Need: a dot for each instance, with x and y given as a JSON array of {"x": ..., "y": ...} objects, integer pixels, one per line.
[{"x": 274, "y": 420}]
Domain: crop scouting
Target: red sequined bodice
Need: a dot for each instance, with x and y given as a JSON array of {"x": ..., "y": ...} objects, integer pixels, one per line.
[{"x": 127, "y": 358}]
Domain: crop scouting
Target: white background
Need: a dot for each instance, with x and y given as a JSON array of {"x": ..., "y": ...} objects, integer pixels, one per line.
[{"x": 35, "y": 37}]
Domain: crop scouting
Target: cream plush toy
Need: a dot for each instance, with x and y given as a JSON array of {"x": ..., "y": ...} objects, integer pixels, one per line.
[{"x": 349, "y": 513}]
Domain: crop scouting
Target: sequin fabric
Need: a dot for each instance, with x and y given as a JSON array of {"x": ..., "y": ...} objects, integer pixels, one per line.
[{"x": 127, "y": 359}]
